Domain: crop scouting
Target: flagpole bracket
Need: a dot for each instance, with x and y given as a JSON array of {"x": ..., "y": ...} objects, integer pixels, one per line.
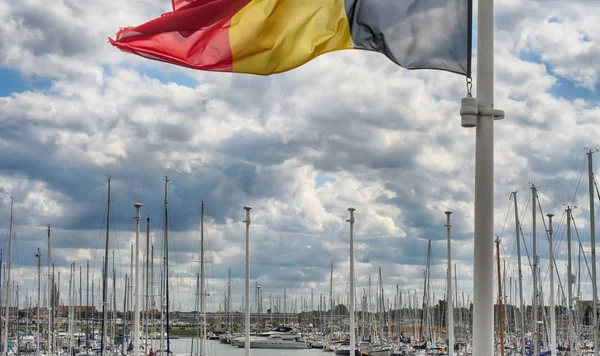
[
  {"x": 470, "y": 111},
  {"x": 498, "y": 114}
]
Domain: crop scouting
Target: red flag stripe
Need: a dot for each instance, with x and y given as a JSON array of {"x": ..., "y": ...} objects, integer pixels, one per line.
[{"x": 196, "y": 16}]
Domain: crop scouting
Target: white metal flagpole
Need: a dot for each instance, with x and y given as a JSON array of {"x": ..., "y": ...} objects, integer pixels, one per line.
[{"x": 480, "y": 112}]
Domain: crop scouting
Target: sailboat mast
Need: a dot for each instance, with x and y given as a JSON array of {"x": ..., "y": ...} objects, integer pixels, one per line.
[
  {"x": 129, "y": 289},
  {"x": 17, "y": 302},
  {"x": 380, "y": 301},
  {"x": 167, "y": 260},
  {"x": 49, "y": 290},
  {"x": 152, "y": 301},
  {"x": 535, "y": 262},
  {"x": 80, "y": 297},
  {"x": 500, "y": 321},
  {"x": 229, "y": 305},
  {"x": 552, "y": 308},
  {"x": 351, "y": 302},
  {"x": 104, "y": 277},
  {"x": 202, "y": 310},
  {"x": 125, "y": 345},
  {"x": 449, "y": 301},
  {"x": 7, "y": 304},
  {"x": 87, "y": 302},
  {"x": 136, "y": 305},
  {"x": 571, "y": 337},
  {"x": 70, "y": 310},
  {"x": 331, "y": 298},
  {"x": 247, "y": 221},
  {"x": 114, "y": 303},
  {"x": 37, "y": 324},
  {"x": 147, "y": 281},
  {"x": 521, "y": 304},
  {"x": 458, "y": 310},
  {"x": 425, "y": 293},
  {"x": 196, "y": 328},
  {"x": 368, "y": 308},
  {"x": 593, "y": 240}
]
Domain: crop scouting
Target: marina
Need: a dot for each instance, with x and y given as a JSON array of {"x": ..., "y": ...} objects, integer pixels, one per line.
[
  {"x": 299, "y": 177},
  {"x": 382, "y": 322}
]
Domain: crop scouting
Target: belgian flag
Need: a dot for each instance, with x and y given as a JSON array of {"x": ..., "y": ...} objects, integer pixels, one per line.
[{"x": 273, "y": 36}]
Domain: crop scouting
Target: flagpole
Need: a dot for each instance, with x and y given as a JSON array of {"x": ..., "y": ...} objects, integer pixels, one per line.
[{"x": 483, "y": 287}]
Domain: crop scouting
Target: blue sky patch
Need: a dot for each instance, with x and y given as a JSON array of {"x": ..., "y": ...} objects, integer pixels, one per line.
[
  {"x": 564, "y": 87},
  {"x": 321, "y": 179},
  {"x": 165, "y": 74},
  {"x": 13, "y": 81},
  {"x": 554, "y": 19}
]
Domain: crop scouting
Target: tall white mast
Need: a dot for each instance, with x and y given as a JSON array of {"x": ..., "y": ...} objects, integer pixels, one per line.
[
  {"x": 247, "y": 287},
  {"x": 49, "y": 297},
  {"x": 202, "y": 310},
  {"x": 572, "y": 340},
  {"x": 7, "y": 299},
  {"x": 129, "y": 292},
  {"x": 167, "y": 302},
  {"x": 104, "y": 279},
  {"x": 449, "y": 292},
  {"x": 552, "y": 308},
  {"x": 147, "y": 307},
  {"x": 535, "y": 270},
  {"x": 136, "y": 305},
  {"x": 521, "y": 304},
  {"x": 70, "y": 316},
  {"x": 593, "y": 239},
  {"x": 331, "y": 300},
  {"x": 229, "y": 304},
  {"x": 351, "y": 302},
  {"x": 37, "y": 324}
]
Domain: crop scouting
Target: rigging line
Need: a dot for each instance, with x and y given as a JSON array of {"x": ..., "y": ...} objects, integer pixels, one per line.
[
  {"x": 207, "y": 241},
  {"x": 521, "y": 231},
  {"x": 581, "y": 248},
  {"x": 526, "y": 249},
  {"x": 576, "y": 188},
  {"x": 525, "y": 212},
  {"x": 121, "y": 274},
  {"x": 506, "y": 216},
  {"x": 192, "y": 260},
  {"x": 174, "y": 246},
  {"x": 100, "y": 230}
]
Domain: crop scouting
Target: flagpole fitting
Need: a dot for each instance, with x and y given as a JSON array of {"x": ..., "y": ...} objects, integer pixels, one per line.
[
  {"x": 498, "y": 114},
  {"x": 470, "y": 111}
]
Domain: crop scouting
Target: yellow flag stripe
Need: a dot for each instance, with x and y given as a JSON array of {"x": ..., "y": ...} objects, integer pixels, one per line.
[{"x": 273, "y": 36}]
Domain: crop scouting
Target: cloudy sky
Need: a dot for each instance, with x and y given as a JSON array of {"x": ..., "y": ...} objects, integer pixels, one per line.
[{"x": 347, "y": 129}]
